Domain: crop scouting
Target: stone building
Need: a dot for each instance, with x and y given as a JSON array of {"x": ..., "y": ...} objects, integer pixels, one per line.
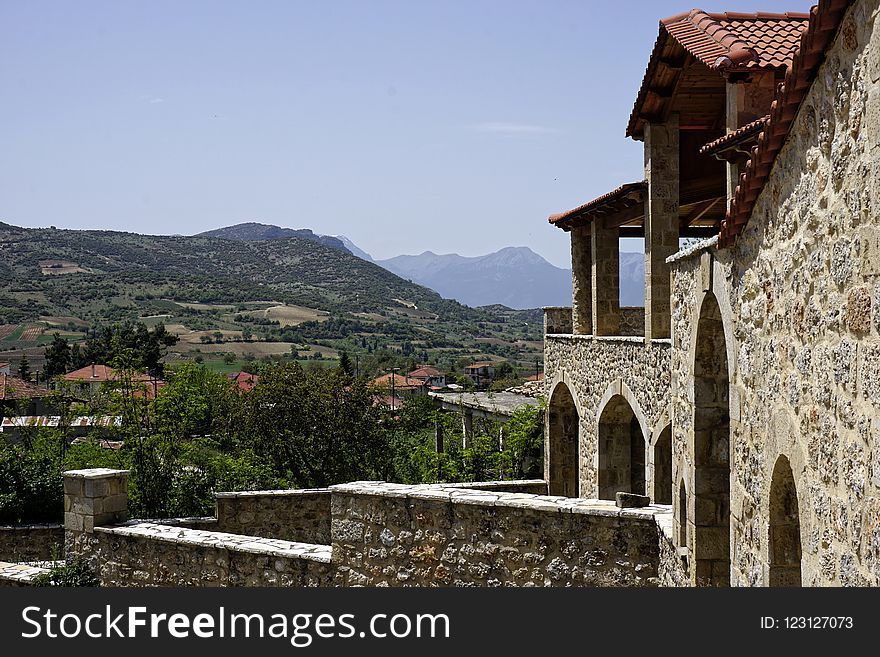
[{"x": 746, "y": 393}]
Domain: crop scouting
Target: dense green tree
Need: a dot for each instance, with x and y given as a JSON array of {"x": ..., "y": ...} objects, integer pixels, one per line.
[
  {"x": 24, "y": 368},
  {"x": 57, "y": 356},
  {"x": 319, "y": 427}
]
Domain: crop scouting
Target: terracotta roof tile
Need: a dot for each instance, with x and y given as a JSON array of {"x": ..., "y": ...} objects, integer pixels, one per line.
[
  {"x": 12, "y": 387},
  {"x": 736, "y": 136},
  {"x": 621, "y": 193},
  {"x": 824, "y": 21},
  {"x": 737, "y": 41}
]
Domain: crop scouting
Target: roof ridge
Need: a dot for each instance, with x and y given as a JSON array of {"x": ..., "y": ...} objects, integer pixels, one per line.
[{"x": 738, "y": 49}]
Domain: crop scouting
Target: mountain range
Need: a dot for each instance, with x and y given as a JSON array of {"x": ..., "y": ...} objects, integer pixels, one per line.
[{"x": 515, "y": 277}]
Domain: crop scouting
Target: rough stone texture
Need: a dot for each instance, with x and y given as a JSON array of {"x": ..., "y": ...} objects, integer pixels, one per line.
[
  {"x": 661, "y": 221},
  {"x": 22, "y": 574},
  {"x": 532, "y": 486},
  {"x": 557, "y": 320},
  {"x": 581, "y": 281},
  {"x": 291, "y": 515},
  {"x": 31, "y": 542},
  {"x": 605, "y": 279},
  {"x": 798, "y": 295},
  {"x": 632, "y": 321},
  {"x": 140, "y": 553},
  {"x": 594, "y": 368},
  {"x": 394, "y": 535}
]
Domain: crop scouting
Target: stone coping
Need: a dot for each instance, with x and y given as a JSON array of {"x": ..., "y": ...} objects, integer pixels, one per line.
[
  {"x": 691, "y": 250},
  {"x": 40, "y": 525},
  {"x": 291, "y": 492},
  {"x": 555, "y": 307},
  {"x": 95, "y": 473},
  {"x": 25, "y": 572},
  {"x": 219, "y": 540},
  {"x": 637, "y": 339},
  {"x": 528, "y": 501},
  {"x": 499, "y": 483}
]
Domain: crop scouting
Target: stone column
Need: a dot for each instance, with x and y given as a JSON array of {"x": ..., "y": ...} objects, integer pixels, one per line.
[
  {"x": 438, "y": 436},
  {"x": 661, "y": 223},
  {"x": 605, "y": 279},
  {"x": 93, "y": 497},
  {"x": 467, "y": 428},
  {"x": 581, "y": 281}
]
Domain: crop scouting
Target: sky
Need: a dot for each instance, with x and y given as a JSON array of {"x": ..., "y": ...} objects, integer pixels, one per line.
[{"x": 449, "y": 126}]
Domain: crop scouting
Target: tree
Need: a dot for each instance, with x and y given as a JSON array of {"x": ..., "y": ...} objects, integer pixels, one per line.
[
  {"x": 24, "y": 368},
  {"x": 318, "y": 427},
  {"x": 57, "y": 356},
  {"x": 345, "y": 363}
]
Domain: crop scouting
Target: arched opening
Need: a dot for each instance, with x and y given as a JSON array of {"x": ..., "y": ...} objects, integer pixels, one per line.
[
  {"x": 621, "y": 450},
  {"x": 663, "y": 467},
  {"x": 785, "y": 528},
  {"x": 682, "y": 515},
  {"x": 563, "y": 437},
  {"x": 711, "y": 450}
]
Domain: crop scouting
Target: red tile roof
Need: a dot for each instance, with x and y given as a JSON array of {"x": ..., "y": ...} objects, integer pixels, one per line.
[
  {"x": 476, "y": 366},
  {"x": 724, "y": 41},
  {"x": 632, "y": 193},
  {"x": 825, "y": 19},
  {"x": 426, "y": 372},
  {"x": 245, "y": 380},
  {"x": 737, "y": 136},
  {"x": 12, "y": 387},
  {"x": 400, "y": 382},
  {"x": 736, "y": 40}
]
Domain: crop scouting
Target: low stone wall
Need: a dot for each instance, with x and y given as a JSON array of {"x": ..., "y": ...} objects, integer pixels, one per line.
[
  {"x": 394, "y": 535},
  {"x": 148, "y": 554},
  {"x": 672, "y": 570},
  {"x": 31, "y": 542},
  {"x": 291, "y": 515},
  {"x": 20, "y": 574},
  {"x": 534, "y": 486}
]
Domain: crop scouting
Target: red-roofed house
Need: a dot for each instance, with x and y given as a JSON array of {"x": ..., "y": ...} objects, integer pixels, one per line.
[
  {"x": 89, "y": 379},
  {"x": 430, "y": 376},
  {"x": 245, "y": 380},
  {"x": 744, "y": 393},
  {"x": 482, "y": 374}
]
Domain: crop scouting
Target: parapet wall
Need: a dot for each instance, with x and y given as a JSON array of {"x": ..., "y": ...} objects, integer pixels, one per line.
[
  {"x": 291, "y": 515},
  {"x": 394, "y": 535},
  {"x": 31, "y": 542},
  {"x": 149, "y": 554}
]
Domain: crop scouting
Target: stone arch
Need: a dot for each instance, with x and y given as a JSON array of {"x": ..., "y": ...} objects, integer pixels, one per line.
[
  {"x": 662, "y": 466},
  {"x": 621, "y": 453},
  {"x": 711, "y": 449},
  {"x": 563, "y": 422},
  {"x": 784, "y": 535}
]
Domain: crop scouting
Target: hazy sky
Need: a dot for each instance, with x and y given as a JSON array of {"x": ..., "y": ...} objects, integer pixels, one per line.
[{"x": 407, "y": 126}]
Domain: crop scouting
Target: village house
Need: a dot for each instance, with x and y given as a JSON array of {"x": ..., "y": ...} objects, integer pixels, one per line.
[
  {"x": 88, "y": 381},
  {"x": 745, "y": 393},
  {"x": 482, "y": 374},
  {"x": 433, "y": 378}
]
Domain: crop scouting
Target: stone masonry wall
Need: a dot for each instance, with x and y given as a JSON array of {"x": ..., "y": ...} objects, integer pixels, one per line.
[
  {"x": 140, "y": 553},
  {"x": 394, "y": 535},
  {"x": 291, "y": 515},
  {"x": 31, "y": 542},
  {"x": 799, "y": 295},
  {"x": 594, "y": 367}
]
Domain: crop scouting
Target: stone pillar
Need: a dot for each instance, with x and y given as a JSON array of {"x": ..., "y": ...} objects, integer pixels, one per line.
[
  {"x": 581, "y": 281},
  {"x": 661, "y": 223},
  {"x": 438, "y": 436},
  {"x": 93, "y": 497},
  {"x": 467, "y": 428},
  {"x": 605, "y": 279}
]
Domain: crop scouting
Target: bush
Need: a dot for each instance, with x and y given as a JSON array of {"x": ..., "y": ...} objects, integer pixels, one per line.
[{"x": 75, "y": 572}]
